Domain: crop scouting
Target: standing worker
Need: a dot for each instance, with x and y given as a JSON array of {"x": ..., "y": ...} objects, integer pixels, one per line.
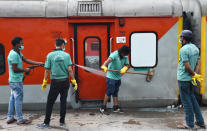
[
  {"x": 16, "y": 71},
  {"x": 188, "y": 67},
  {"x": 118, "y": 60},
  {"x": 58, "y": 63}
]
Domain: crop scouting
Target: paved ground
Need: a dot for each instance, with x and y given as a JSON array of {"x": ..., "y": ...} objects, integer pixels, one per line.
[{"x": 91, "y": 120}]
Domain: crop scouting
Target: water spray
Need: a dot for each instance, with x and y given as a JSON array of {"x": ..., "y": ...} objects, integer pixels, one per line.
[{"x": 103, "y": 74}]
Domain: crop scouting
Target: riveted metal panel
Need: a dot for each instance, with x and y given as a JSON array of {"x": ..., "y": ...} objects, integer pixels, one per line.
[
  {"x": 203, "y": 4},
  {"x": 72, "y": 7},
  {"x": 64, "y": 8},
  {"x": 132, "y": 8},
  {"x": 147, "y": 8},
  {"x": 22, "y": 9},
  {"x": 56, "y": 8}
]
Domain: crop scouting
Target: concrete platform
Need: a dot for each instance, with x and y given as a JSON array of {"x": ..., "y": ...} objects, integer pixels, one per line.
[{"x": 147, "y": 119}]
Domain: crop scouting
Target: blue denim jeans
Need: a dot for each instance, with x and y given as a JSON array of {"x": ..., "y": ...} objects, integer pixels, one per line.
[
  {"x": 112, "y": 87},
  {"x": 15, "y": 101},
  {"x": 190, "y": 103}
]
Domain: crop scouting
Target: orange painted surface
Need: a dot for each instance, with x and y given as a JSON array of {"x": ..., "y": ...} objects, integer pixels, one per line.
[
  {"x": 159, "y": 25},
  {"x": 39, "y": 36},
  {"x": 91, "y": 86},
  {"x": 91, "y": 19}
]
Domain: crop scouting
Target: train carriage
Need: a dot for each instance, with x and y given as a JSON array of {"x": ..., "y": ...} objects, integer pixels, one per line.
[
  {"x": 93, "y": 30},
  {"x": 203, "y": 46}
]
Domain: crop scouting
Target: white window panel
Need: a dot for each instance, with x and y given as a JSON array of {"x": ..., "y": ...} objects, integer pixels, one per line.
[{"x": 143, "y": 49}]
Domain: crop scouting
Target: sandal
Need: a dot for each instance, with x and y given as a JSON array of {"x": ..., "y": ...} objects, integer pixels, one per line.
[
  {"x": 24, "y": 122},
  {"x": 11, "y": 121},
  {"x": 200, "y": 125},
  {"x": 150, "y": 74},
  {"x": 183, "y": 126}
]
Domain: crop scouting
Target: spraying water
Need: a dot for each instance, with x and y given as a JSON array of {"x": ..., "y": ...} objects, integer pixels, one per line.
[{"x": 94, "y": 71}]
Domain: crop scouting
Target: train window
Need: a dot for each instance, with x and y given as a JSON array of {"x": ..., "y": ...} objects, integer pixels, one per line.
[
  {"x": 92, "y": 52},
  {"x": 143, "y": 49},
  {"x": 95, "y": 46},
  {"x": 2, "y": 59}
]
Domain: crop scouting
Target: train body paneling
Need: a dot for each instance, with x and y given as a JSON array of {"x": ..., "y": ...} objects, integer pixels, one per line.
[
  {"x": 39, "y": 40},
  {"x": 91, "y": 37},
  {"x": 165, "y": 70},
  {"x": 70, "y": 8}
]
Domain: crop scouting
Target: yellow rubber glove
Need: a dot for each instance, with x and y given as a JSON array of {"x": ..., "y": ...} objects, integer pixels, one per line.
[
  {"x": 75, "y": 84},
  {"x": 103, "y": 67},
  {"x": 194, "y": 82},
  {"x": 123, "y": 70},
  {"x": 44, "y": 85},
  {"x": 195, "y": 78}
]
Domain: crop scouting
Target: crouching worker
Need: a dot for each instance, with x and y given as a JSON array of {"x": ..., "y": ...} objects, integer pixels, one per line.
[
  {"x": 118, "y": 60},
  {"x": 58, "y": 63}
]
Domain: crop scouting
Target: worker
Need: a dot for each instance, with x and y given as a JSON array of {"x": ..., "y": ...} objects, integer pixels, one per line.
[
  {"x": 118, "y": 60},
  {"x": 188, "y": 67},
  {"x": 59, "y": 64},
  {"x": 16, "y": 71}
]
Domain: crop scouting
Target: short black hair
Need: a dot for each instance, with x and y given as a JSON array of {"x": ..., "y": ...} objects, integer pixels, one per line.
[
  {"x": 59, "y": 41},
  {"x": 188, "y": 39},
  {"x": 124, "y": 50},
  {"x": 16, "y": 40}
]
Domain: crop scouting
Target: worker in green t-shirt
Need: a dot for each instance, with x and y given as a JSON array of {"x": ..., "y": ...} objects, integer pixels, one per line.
[
  {"x": 16, "y": 70},
  {"x": 188, "y": 67},
  {"x": 118, "y": 60},
  {"x": 59, "y": 64}
]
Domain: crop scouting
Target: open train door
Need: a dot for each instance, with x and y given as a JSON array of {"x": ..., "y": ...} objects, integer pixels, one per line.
[{"x": 91, "y": 43}]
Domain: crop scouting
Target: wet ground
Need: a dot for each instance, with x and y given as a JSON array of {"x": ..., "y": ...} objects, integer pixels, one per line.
[{"x": 148, "y": 119}]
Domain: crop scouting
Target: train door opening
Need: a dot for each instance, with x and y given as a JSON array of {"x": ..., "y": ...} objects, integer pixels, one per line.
[
  {"x": 91, "y": 50},
  {"x": 2, "y": 59}
]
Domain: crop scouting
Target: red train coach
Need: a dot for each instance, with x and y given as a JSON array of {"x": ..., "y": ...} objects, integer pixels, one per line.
[{"x": 94, "y": 29}]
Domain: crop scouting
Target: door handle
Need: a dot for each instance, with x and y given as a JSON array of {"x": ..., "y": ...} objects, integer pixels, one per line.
[
  {"x": 72, "y": 39},
  {"x": 110, "y": 44}
]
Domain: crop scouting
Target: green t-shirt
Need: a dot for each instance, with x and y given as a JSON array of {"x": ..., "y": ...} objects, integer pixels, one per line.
[
  {"x": 15, "y": 58},
  {"x": 116, "y": 64},
  {"x": 188, "y": 53},
  {"x": 58, "y": 62}
]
